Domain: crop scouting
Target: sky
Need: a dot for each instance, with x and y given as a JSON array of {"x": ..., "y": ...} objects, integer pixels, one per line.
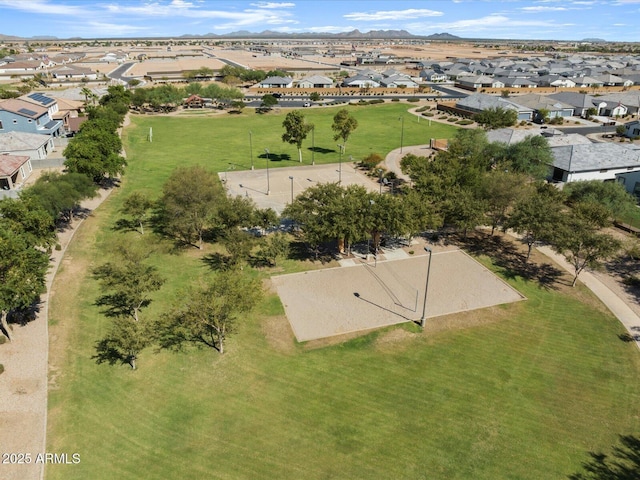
[{"x": 612, "y": 20}]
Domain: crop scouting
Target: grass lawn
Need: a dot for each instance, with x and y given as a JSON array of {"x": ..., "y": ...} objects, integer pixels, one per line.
[
  {"x": 217, "y": 142},
  {"x": 523, "y": 391}
]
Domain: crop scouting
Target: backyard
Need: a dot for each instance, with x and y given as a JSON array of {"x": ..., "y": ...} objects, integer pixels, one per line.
[{"x": 523, "y": 390}]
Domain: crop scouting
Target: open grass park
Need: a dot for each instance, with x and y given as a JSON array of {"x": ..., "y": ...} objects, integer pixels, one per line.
[{"x": 522, "y": 391}]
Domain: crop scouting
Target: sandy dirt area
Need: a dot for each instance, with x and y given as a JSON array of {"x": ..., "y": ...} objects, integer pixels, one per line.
[
  {"x": 368, "y": 295},
  {"x": 253, "y": 183}
]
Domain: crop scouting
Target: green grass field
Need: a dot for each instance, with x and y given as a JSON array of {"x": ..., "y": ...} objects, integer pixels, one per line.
[
  {"x": 218, "y": 142},
  {"x": 522, "y": 391}
]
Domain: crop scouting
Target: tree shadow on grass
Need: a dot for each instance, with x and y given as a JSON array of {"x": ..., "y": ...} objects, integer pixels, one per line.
[
  {"x": 631, "y": 337},
  {"x": 623, "y": 464},
  {"x": 125, "y": 225},
  {"x": 322, "y": 150},
  {"x": 300, "y": 251},
  {"x": 276, "y": 157},
  {"x": 510, "y": 258},
  {"x": 218, "y": 261}
]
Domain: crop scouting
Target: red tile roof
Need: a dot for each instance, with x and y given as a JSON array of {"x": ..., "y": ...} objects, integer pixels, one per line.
[{"x": 9, "y": 164}]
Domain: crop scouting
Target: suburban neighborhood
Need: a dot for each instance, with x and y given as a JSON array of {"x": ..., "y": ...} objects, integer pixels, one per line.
[{"x": 317, "y": 251}]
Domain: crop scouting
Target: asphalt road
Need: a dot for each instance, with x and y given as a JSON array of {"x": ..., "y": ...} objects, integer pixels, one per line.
[{"x": 119, "y": 72}]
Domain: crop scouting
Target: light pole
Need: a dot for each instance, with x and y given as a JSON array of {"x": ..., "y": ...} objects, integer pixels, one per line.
[
  {"x": 401, "y": 133},
  {"x": 426, "y": 289},
  {"x": 251, "y": 149},
  {"x": 371, "y": 202},
  {"x": 340, "y": 165},
  {"x": 291, "y": 178},
  {"x": 267, "y": 152},
  {"x": 313, "y": 145}
]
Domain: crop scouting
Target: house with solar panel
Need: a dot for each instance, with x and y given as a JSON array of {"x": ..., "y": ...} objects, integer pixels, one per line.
[{"x": 32, "y": 113}]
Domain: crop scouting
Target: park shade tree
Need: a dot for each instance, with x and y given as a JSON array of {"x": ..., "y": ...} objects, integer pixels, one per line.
[
  {"x": 296, "y": 130},
  {"x": 95, "y": 152},
  {"x": 124, "y": 342},
  {"x": 274, "y": 248},
  {"x": 314, "y": 211},
  {"x": 610, "y": 195},
  {"x": 137, "y": 206},
  {"x": 60, "y": 193},
  {"x": 496, "y": 117},
  {"x": 188, "y": 203},
  {"x": 581, "y": 244},
  {"x": 531, "y": 156},
  {"x": 464, "y": 209},
  {"x": 127, "y": 283},
  {"x": 27, "y": 217},
  {"x": 268, "y": 101},
  {"x": 208, "y": 314},
  {"x": 418, "y": 214},
  {"x": 499, "y": 191},
  {"x": 23, "y": 268},
  {"x": 537, "y": 215},
  {"x": 344, "y": 124}
]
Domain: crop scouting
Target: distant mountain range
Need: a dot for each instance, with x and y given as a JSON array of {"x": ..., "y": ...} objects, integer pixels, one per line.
[{"x": 354, "y": 34}]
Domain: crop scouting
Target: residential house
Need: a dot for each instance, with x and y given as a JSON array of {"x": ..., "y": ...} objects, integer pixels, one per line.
[
  {"x": 360, "y": 81},
  {"x": 17, "y": 114},
  {"x": 515, "y": 82},
  {"x": 73, "y": 73},
  {"x": 610, "y": 80},
  {"x": 595, "y": 161},
  {"x": 632, "y": 129},
  {"x": 630, "y": 99},
  {"x": 429, "y": 75},
  {"x": 483, "y": 81},
  {"x": 581, "y": 102},
  {"x": 14, "y": 170},
  {"x": 555, "y": 81},
  {"x": 34, "y": 145},
  {"x": 631, "y": 182},
  {"x": 553, "y": 107},
  {"x": 276, "y": 82},
  {"x": 478, "y": 102},
  {"x": 398, "y": 81},
  {"x": 315, "y": 81}
]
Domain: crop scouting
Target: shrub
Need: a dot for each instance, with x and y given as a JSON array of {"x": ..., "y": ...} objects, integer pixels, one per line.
[
  {"x": 395, "y": 99},
  {"x": 452, "y": 119},
  {"x": 371, "y": 161},
  {"x": 58, "y": 247},
  {"x": 1, "y": 369},
  {"x": 413, "y": 100},
  {"x": 464, "y": 121}
]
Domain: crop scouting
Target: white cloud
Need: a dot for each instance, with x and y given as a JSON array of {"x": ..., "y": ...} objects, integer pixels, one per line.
[
  {"x": 541, "y": 8},
  {"x": 491, "y": 23},
  {"x": 103, "y": 29},
  {"x": 43, "y": 7},
  {"x": 273, "y": 5},
  {"x": 388, "y": 15}
]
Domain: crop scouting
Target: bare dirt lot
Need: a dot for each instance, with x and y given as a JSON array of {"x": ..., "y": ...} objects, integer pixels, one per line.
[{"x": 340, "y": 300}]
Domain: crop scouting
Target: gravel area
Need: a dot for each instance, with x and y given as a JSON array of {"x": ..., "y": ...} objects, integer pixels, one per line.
[{"x": 330, "y": 302}]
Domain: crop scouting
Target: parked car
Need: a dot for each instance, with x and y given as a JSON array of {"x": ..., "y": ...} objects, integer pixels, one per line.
[
  {"x": 306, "y": 104},
  {"x": 276, "y": 95}
]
